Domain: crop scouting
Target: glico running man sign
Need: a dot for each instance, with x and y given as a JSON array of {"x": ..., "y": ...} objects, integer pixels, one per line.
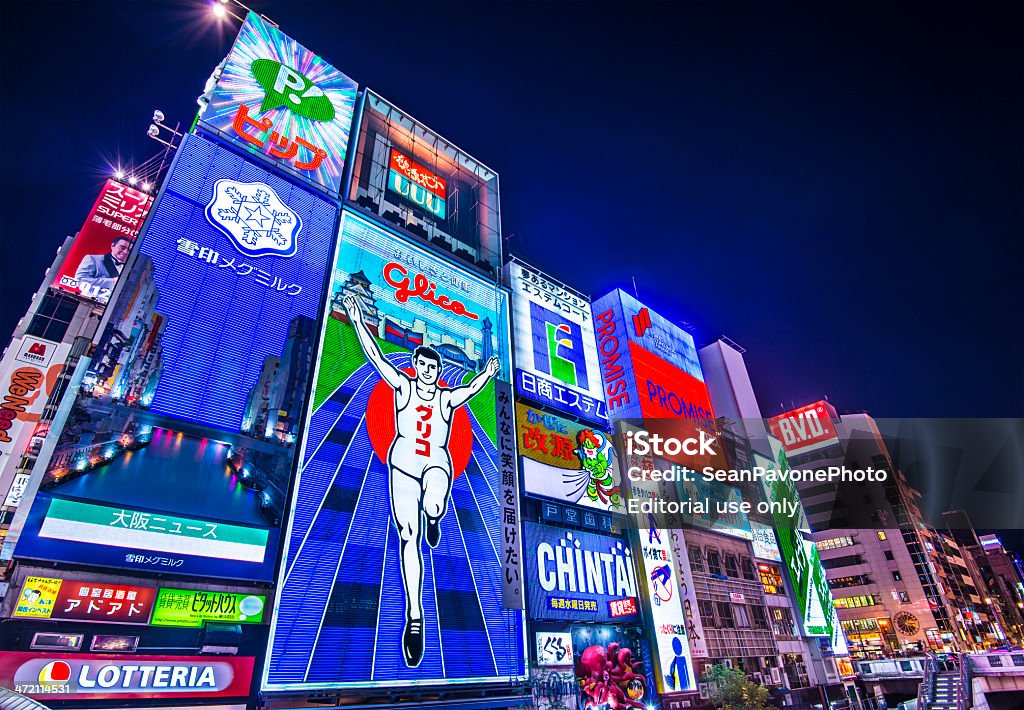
[{"x": 393, "y": 573}]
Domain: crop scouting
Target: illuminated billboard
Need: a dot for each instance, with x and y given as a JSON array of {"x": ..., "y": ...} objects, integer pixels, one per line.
[
  {"x": 97, "y": 255},
  {"x": 393, "y": 570},
  {"x": 663, "y": 590},
  {"x": 567, "y": 461},
  {"x": 649, "y": 365},
  {"x": 575, "y": 575},
  {"x": 29, "y": 373},
  {"x": 47, "y": 598},
  {"x": 172, "y": 460},
  {"x": 409, "y": 176},
  {"x": 719, "y": 497},
  {"x": 805, "y": 429},
  {"x": 194, "y": 607},
  {"x": 80, "y": 676},
  {"x": 556, "y": 352},
  {"x": 277, "y": 99},
  {"x": 417, "y": 184},
  {"x": 609, "y": 666},
  {"x": 806, "y": 573}
]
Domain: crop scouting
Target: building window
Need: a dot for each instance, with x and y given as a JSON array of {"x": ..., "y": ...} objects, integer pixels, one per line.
[
  {"x": 760, "y": 618},
  {"x": 782, "y": 622},
  {"x": 881, "y": 535},
  {"x": 889, "y": 556},
  {"x": 696, "y": 560},
  {"x": 856, "y": 602},
  {"x": 771, "y": 579},
  {"x": 731, "y": 568},
  {"x": 835, "y": 542},
  {"x": 51, "y": 320},
  {"x": 851, "y": 581},
  {"x": 714, "y": 563},
  {"x": 747, "y": 565},
  {"x": 896, "y": 576},
  {"x": 725, "y": 620},
  {"x": 904, "y": 598},
  {"x": 739, "y": 612}
]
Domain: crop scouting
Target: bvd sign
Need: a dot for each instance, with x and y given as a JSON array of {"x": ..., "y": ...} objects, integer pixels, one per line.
[{"x": 805, "y": 429}]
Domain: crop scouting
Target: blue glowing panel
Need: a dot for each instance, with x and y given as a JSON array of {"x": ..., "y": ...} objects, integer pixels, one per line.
[
  {"x": 346, "y": 591},
  {"x": 237, "y": 254},
  {"x": 578, "y": 576}
]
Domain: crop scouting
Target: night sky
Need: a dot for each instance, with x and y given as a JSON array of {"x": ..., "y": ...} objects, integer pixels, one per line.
[{"x": 839, "y": 190}]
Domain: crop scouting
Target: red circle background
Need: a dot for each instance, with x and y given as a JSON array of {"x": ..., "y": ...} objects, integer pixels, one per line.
[{"x": 380, "y": 425}]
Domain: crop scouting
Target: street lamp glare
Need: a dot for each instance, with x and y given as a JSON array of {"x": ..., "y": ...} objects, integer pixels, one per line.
[
  {"x": 119, "y": 174},
  {"x": 132, "y": 180},
  {"x": 218, "y": 11}
]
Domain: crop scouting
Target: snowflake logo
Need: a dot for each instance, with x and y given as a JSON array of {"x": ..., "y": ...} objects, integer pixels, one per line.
[{"x": 254, "y": 218}]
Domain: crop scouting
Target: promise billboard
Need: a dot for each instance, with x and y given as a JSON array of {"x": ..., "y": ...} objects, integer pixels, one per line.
[
  {"x": 169, "y": 462},
  {"x": 393, "y": 574}
]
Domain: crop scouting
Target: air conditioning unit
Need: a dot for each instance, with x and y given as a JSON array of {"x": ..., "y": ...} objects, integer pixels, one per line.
[
  {"x": 727, "y": 662},
  {"x": 777, "y": 676}
]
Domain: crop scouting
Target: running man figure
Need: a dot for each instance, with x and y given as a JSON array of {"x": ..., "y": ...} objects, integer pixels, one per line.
[{"x": 419, "y": 463}]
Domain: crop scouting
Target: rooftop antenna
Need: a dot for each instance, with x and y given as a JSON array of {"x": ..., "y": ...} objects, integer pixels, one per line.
[{"x": 635, "y": 293}]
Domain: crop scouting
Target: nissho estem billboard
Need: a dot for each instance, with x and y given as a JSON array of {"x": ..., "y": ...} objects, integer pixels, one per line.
[
  {"x": 556, "y": 353},
  {"x": 280, "y": 100},
  {"x": 171, "y": 459},
  {"x": 393, "y": 570}
]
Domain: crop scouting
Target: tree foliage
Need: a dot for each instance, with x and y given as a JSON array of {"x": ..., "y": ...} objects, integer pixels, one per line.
[{"x": 730, "y": 689}]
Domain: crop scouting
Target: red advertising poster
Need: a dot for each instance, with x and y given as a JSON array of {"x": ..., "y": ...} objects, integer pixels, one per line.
[
  {"x": 418, "y": 174},
  {"x": 676, "y": 404},
  {"x": 92, "y": 601},
  {"x": 104, "y": 242},
  {"x": 805, "y": 428},
  {"x": 64, "y": 676}
]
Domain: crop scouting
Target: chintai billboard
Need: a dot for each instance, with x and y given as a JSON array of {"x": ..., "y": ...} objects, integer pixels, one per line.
[
  {"x": 575, "y": 575},
  {"x": 176, "y": 455},
  {"x": 393, "y": 570}
]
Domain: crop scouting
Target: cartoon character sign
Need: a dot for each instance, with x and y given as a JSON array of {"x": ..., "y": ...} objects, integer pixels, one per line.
[
  {"x": 596, "y": 455},
  {"x": 568, "y": 461}
]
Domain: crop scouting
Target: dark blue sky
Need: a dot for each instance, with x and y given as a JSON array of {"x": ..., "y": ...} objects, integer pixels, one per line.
[{"x": 837, "y": 189}]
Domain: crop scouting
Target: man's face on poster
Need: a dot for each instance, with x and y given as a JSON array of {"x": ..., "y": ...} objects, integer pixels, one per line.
[{"x": 120, "y": 249}]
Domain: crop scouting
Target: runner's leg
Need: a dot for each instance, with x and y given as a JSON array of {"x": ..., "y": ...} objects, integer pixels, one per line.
[
  {"x": 437, "y": 489},
  {"x": 406, "y": 511}
]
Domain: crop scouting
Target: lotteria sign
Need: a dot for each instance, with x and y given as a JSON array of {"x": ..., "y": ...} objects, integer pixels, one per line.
[
  {"x": 95, "y": 677},
  {"x": 575, "y": 575},
  {"x": 806, "y": 428}
]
